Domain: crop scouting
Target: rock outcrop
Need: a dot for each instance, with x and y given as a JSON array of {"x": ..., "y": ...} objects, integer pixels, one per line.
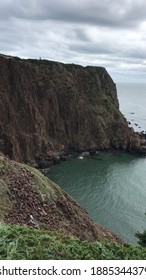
[{"x": 48, "y": 109}]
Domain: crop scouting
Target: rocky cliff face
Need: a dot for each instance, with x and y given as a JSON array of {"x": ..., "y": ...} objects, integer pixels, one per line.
[{"x": 48, "y": 107}]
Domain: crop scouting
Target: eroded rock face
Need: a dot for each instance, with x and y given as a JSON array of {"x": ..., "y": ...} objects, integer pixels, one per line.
[{"x": 48, "y": 107}]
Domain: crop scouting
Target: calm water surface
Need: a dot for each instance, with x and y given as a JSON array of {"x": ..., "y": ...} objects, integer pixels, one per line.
[{"x": 111, "y": 187}]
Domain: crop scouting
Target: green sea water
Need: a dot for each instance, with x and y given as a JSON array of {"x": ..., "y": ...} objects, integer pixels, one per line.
[{"x": 111, "y": 187}]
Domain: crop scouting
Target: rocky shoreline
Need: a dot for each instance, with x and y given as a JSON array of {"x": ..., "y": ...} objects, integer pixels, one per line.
[
  {"x": 43, "y": 162},
  {"x": 141, "y": 150}
]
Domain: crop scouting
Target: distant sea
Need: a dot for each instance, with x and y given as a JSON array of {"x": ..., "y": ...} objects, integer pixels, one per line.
[{"x": 132, "y": 100}]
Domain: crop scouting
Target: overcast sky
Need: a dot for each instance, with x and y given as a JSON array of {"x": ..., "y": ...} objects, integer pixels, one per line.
[{"x": 109, "y": 33}]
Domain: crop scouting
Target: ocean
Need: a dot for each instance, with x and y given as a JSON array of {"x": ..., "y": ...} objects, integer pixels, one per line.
[
  {"x": 112, "y": 187},
  {"x": 132, "y": 100}
]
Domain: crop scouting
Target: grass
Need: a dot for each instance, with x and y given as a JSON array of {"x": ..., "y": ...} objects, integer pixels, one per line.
[
  {"x": 2, "y": 163},
  {"x": 17, "y": 242},
  {"x": 5, "y": 202}
]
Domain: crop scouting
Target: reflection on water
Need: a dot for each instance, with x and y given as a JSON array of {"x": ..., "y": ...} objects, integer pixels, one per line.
[{"x": 111, "y": 187}]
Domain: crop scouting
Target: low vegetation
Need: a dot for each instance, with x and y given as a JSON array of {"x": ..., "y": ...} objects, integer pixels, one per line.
[
  {"x": 19, "y": 242},
  {"x": 142, "y": 238}
]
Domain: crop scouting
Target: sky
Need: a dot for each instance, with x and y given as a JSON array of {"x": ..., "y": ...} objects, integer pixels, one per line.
[{"x": 108, "y": 33}]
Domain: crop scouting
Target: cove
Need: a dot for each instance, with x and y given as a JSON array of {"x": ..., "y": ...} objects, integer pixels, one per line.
[{"x": 111, "y": 187}]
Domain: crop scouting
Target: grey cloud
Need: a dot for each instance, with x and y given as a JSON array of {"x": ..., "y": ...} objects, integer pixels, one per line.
[
  {"x": 78, "y": 34},
  {"x": 102, "y": 13},
  {"x": 91, "y": 32},
  {"x": 91, "y": 48},
  {"x": 136, "y": 53},
  {"x": 109, "y": 47}
]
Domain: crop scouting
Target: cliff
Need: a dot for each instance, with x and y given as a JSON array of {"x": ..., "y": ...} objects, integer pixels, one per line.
[{"x": 49, "y": 108}]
